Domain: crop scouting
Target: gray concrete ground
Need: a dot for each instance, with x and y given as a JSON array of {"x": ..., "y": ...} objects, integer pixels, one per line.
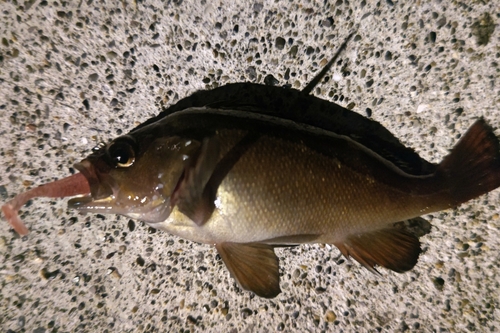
[{"x": 75, "y": 73}]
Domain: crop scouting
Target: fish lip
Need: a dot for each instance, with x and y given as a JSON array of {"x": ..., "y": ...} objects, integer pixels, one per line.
[
  {"x": 98, "y": 188},
  {"x": 80, "y": 202}
]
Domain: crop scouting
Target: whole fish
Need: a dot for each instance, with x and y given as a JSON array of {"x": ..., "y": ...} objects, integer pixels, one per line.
[{"x": 247, "y": 168}]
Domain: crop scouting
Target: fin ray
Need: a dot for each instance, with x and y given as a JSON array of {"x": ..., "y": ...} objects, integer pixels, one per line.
[
  {"x": 392, "y": 248},
  {"x": 197, "y": 191},
  {"x": 191, "y": 196},
  {"x": 473, "y": 166},
  {"x": 254, "y": 265},
  {"x": 310, "y": 86}
]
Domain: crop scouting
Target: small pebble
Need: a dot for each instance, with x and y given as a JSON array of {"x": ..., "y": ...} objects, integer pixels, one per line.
[
  {"x": 330, "y": 316},
  {"x": 113, "y": 272}
]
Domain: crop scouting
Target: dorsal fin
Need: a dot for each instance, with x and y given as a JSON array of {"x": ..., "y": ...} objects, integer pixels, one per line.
[
  {"x": 305, "y": 108},
  {"x": 310, "y": 86}
]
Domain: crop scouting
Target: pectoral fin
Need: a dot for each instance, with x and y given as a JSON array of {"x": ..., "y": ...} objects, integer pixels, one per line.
[
  {"x": 254, "y": 265},
  {"x": 392, "y": 248},
  {"x": 192, "y": 196},
  {"x": 196, "y": 192}
]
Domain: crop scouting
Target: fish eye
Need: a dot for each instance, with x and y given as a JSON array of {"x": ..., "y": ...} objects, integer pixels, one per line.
[{"x": 121, "y": 152}]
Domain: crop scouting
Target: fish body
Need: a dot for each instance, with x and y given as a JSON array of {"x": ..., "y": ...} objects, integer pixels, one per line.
[
  {"x": 287, "y": 193},
  {"x": 248, "y": 182},
  {"x": 248, "y": 168},
  {"x": 304, "y": 185}
]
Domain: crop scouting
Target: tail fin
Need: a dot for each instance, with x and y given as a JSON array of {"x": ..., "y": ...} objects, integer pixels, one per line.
[{"x": 473, "y": 166}]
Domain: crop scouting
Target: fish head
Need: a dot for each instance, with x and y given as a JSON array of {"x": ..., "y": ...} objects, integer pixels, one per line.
[{"x": 135, "y": 176}]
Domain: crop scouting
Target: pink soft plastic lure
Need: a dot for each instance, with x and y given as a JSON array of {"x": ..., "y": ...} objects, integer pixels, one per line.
[{"x": 70, "y": 186}]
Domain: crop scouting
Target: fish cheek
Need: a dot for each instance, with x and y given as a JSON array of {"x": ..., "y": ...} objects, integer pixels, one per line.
[{"x": 157, "y": 171}]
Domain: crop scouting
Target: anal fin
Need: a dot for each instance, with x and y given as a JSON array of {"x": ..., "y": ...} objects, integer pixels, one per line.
[
  {"x": 254, "y": 265},
  {"x": 392, "y": 248}
]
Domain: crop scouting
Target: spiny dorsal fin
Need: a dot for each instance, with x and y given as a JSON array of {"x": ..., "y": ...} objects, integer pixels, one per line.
[
  {"x": 310, "y": 86},
  {"x": 392, "y": 248},
  {"x": 254, "y": 265}
]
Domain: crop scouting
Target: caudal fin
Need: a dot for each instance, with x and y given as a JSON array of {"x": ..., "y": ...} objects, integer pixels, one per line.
[{"x": 473, "y": 166}]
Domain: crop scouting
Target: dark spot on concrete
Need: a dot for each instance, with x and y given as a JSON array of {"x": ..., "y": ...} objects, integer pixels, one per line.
[
  {"x": 280, "y": 43},
  {"x": 438, "y": 283},
  {"x": 483, "y": 28}
]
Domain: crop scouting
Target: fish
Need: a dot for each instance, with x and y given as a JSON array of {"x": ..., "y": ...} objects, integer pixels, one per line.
[{"x": 247, "y": 168}]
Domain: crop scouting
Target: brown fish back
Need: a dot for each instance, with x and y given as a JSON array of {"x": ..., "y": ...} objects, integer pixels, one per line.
[{"x": 292, "y": 104}]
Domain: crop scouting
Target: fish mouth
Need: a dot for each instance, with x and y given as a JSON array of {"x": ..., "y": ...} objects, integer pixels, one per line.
[
  {"x": 99, "y": 189},
  {"x": 107, "y": 197}
]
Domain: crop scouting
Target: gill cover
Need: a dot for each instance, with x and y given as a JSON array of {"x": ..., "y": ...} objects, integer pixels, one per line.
[{"x": 135, "y": 177}]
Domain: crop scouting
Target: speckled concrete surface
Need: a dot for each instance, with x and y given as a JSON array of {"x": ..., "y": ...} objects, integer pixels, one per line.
[{"x": 75, "y": 73}]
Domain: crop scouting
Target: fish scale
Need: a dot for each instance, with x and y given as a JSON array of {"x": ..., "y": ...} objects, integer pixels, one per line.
[{"x": 304, "y": 205}]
